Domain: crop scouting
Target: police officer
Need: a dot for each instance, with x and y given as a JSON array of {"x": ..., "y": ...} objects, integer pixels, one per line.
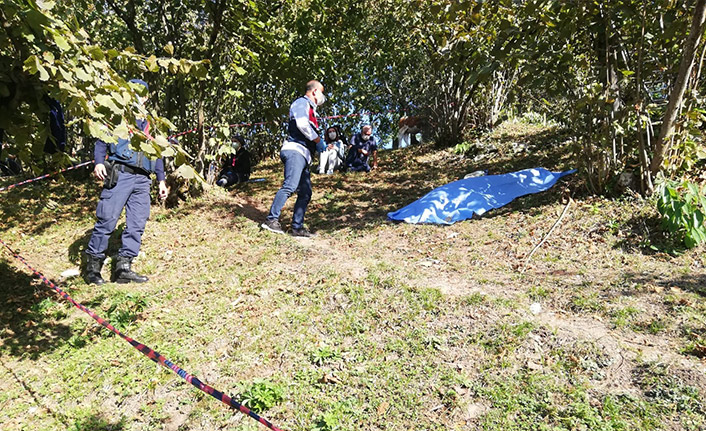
[{"x": 126, "y": 175}]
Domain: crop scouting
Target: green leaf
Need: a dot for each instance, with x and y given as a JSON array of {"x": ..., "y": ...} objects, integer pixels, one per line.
[
  {"x": 199, "y": 71},
  {"x": 184, "y": 66},
  {"x": 31, "y": 64},
  {"x": 161, "y": 141},
  {"x": 96, "y": 53},
  {"x": 169, "y": 49},
  {"x": 152, "y": 64},
  {"x": 61, "y": 42},
  {"x": 107, "y": 102},
  {"x": 46, "y": 4},
  {"x": 82, "y": 75},
  {"x": 94, "y": 129},
  {"x": 180, "y": 159},
  {"x": 43, "y": 74},
  {"x": 148, "y": 148},
  {"x": 186, "y": 172},
  {"x": 122, "y": 131}
]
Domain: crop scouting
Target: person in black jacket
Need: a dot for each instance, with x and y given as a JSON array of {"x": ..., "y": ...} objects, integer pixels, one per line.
[{"x": 236, "y": 166}]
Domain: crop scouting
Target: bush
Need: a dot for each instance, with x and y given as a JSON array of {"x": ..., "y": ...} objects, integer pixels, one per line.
[
  {"x": 682, "y": 209},
  {"x": 262, "y": 395}
]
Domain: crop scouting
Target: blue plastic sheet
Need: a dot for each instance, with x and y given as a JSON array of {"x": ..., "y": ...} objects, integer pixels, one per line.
[{"x": 461, "y": 199}]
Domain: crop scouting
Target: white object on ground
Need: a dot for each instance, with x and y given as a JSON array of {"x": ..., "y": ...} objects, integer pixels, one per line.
[
  {"x": 474, "y": 174},
  {"x": 73, "y": 272},
  {"x": 536, "y": 308}
]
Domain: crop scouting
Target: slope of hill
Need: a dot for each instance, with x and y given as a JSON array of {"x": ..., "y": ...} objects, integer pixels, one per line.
[{"x": 369, "y": 325}]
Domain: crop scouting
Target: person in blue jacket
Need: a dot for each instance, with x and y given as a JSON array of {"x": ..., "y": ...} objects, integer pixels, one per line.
[
  {"x": 362, "y": 146},
  {"x": 56, "y": 141},
  {"x": 126, "y": 175},
  {"x": 296, "y": 155}
]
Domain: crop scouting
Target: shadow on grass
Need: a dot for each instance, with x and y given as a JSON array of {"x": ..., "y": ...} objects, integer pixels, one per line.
[
  {"x": 26, "y": 329},
  {"x": 77, "y": 249},
  {"x": 39, "y": 206},
  {"x": 646, "y": 235},
  {"x": 97, "y": 422},
  {"x": 687, "y": 282}
]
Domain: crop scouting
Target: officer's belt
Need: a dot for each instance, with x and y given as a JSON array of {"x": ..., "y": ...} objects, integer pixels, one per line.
[{"x": 131, "y": 169}]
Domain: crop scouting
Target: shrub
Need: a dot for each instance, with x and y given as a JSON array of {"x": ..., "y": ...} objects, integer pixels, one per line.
[
  {"x": 682, "y": 209},
  {"x": 262, "y": 395}
]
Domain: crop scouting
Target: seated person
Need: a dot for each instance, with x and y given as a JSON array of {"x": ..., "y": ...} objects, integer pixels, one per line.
[
  {"x": 333, "y": 150},
  {"x": 362, "y": 145},
  {"x": 408, "y": 129},
  {"x": 9, "y": 165},
  {"x": 236, "y": 167}
]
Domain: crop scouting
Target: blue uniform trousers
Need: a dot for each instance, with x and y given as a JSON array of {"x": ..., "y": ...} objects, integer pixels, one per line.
[
  {"x": 132, "y": 192},
  {"x": 296, "y": 177}
]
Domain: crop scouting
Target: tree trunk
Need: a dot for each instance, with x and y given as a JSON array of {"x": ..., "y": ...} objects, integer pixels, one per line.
[
  {"x": 677, "y": 94},
  {"x": 128, "y": 17},
  {"x": 645, "y": 173}
]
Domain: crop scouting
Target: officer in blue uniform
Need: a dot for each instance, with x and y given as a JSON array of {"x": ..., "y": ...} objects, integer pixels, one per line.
[{"x": 126, "y": 175}]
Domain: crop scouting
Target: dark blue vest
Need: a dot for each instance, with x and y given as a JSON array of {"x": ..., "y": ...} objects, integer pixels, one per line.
[
  {"x": 122, "y": 153},
  {"x": 295, "y": 135}
]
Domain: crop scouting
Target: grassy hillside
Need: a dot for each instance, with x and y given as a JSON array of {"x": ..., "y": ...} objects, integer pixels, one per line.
[{"x": 370, "y": 325}]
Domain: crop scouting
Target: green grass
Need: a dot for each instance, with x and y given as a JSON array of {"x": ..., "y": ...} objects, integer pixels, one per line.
[{"x": 368, "y": 326}]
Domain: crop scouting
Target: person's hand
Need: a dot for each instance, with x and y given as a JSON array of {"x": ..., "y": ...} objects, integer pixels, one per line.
[
  {"x": 317, "y": 140},
  {"x": 99, "y": 171},
  {"x": 330, "y": 146},
  {"x": 163, "y": 190}
]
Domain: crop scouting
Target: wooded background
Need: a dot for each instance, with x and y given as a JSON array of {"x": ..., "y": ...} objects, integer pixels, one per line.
[{"x": 624, "y": 77}]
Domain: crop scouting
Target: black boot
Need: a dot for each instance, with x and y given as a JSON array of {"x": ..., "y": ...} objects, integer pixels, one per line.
[
  {"x": 93, "y": 270},
  {"x": 124, "y": 272}
]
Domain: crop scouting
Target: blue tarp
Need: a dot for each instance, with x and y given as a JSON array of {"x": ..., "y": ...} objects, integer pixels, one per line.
[{"x": 461, "y": 199}]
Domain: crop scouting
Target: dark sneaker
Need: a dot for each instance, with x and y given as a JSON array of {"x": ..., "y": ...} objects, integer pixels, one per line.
[
  {"x": 272, "y": 226},
  {"x": 303, "y": 233}
]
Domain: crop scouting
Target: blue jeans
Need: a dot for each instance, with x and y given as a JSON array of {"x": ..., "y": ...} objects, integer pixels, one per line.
[
  {"x": 131, "y": 192},
  {"x": 296, "y": 178}
]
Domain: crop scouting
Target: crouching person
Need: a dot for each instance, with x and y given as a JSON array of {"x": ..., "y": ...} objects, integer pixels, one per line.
[
  {"x": 362, "y": 146},
  {"x": 127, "y": 182},
  {"x": 236, "y": 166}
]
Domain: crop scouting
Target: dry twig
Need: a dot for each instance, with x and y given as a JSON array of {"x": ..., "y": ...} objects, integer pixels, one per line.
[{"x": 529, "y": 256}]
